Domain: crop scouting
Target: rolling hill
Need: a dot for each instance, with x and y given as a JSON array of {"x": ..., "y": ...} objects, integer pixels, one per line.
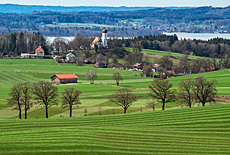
[{"x": 201, "y": 130}]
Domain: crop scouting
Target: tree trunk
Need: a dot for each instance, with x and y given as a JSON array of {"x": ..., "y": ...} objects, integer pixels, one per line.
[
  {"x": 46, "y": 111},
  {"x": 125, "y": 110},
  {"x": 25, "y": 114},
  {"x": 163, "y": 106},
  {"x": 70, "y": 111},
  {"x": 20, "y": 112},
  {"x": 190, "y": 105},
  {"x": 117, "y": 83},
  {"x": 203, "y": 104}
]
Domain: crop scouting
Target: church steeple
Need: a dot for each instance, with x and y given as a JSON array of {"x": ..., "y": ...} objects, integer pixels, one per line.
[{"x": 104, "y": 38}]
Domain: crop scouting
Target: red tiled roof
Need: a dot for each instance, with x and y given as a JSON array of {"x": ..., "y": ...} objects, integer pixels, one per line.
[
  {"x": 97, "y": 40},
  {"x": 136, "y": 64},
  {"x": 39, "y": 49},
  {"x": 68, "y": 54},
  {"x": 66, "y": 76}
]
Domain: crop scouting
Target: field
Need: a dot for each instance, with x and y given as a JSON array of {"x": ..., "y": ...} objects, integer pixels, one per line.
[
  {"x": 67, "y": 25},
  {"x": 200, "y": 130},
  {"x": 93, "y": 97},
  {"x": 157, "y": 52}
]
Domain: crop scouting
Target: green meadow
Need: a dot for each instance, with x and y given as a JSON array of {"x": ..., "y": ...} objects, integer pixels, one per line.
[
  {"x": 195, "y": 131},
  {"x": 94, "y": 97},
  {"x": 157, "y": 52},
  {"x": 67, "y": 25},
  {"x": 199, "y": 130}
]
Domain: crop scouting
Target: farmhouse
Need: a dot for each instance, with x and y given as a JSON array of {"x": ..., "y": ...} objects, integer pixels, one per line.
[
  {"x": 39, "y": 52},
  {"x": 64, "y": 78},
  {"x": 70, "y": 56}
]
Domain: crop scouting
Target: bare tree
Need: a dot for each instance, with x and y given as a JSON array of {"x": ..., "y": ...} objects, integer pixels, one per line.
[
  {"x": 196, "y": 65},
  {"x": 60, "y": 44},
  {"x": 70, "y": 97},
  {"x": 91, "y": 75},
  {"x": 123, "y": 98},
  {"x": 26, "y": 97},
  {"x": 79, "y": 61},
  {"x": 147, "y": 71},
  {"x": 204, "y": 90},
  {"x": 117, "y": 77},
  {"x": 45, "y": 93},
  {"x": 186, "y": 94},
  {"x": 184, "y": 63},
  {"x": 161, "y": 91},
  {"x": 165, "y": 62},
  {"x": 15, "y": 94},
  {"x": 151, "y": 105}
]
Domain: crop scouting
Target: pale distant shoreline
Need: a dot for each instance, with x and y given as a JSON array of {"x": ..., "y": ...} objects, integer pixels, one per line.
[
  {"x": 197, "y": 36},
  {"x": 200, "y": 36}
]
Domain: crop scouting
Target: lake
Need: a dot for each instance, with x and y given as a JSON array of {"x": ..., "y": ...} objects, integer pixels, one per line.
[{"x": 201, "y": 36}]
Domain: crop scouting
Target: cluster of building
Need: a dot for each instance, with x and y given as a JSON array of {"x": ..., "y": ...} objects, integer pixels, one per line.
[
  {"x": 100, "y": 42},
  {"x": 39, "y": 53}
]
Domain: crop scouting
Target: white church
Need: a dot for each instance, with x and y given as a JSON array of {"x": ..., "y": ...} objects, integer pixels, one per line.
[{"x": 100, "y": 42}]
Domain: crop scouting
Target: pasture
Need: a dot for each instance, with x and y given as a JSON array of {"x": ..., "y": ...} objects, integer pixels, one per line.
[
  {"x": 68, "y": 25},
  {"x": 157, "y": 52},
  {"x": 94, "y": 97},
  {"x": 200, "y": 130}
]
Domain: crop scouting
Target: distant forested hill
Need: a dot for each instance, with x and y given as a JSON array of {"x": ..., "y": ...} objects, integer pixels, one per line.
[
  {"x": 120, "y": 21},
  {"x": 15, "y": 8}
]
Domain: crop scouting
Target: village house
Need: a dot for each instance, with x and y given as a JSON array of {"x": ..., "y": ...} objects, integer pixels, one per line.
[
  {"x": 138, "y": 66},
  {"x": 102, "y": 64},
  {"x": 27, "y": 55},
  {"x": 64, "y": 78},
  {"x": 70, "y": 56},
  {"x": 39, "y": 52}
]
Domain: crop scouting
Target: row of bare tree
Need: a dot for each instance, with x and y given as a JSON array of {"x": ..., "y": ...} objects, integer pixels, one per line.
[
  {"x": 25, "y": 95},
  {"x": 191, "y": 91}
]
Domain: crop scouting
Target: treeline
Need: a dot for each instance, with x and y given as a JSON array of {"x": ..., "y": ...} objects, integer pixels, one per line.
[
  {"x": 14, "y": 44},
  {"x": 215, "y": 48}
]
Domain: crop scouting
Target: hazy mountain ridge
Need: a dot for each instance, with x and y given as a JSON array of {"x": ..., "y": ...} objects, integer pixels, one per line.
[{"x": 15, "y": 8}]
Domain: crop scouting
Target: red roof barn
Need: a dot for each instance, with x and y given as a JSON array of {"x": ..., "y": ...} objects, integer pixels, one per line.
[{"x": 64, "y": 78}]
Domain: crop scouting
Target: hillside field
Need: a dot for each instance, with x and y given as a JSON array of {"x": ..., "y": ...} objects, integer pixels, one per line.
[
  {"x": 94, "y": 97},
  {"x": 200, "y": 130},
  {"x": 161, "y": 53}
]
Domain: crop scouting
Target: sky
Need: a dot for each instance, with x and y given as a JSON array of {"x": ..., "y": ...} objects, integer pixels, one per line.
[{"x": 153, "y": 3}]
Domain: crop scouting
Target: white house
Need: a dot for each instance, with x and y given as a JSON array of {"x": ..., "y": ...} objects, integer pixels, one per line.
[
  {"x": 70, "y": 56},
  {"x": 27, "y": 55},
  {"x": 39, "y": 52}
]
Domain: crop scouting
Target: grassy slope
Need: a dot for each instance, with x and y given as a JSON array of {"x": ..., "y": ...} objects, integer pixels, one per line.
[
  {"x": 94, "y": 96},
  {"x": 201, "y": 130},
  {"x": 157, "y": 52},
  {"x": 13, "y": 71}
]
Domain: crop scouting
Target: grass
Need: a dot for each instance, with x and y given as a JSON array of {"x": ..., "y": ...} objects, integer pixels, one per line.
[
  {"x": 157, "y": 52},
  {"x": 201, "y": 130},
  {"x": 67, "y": 25},
  {"x": 15, "y": 71},
  {"x": 197, "y": 130}
]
